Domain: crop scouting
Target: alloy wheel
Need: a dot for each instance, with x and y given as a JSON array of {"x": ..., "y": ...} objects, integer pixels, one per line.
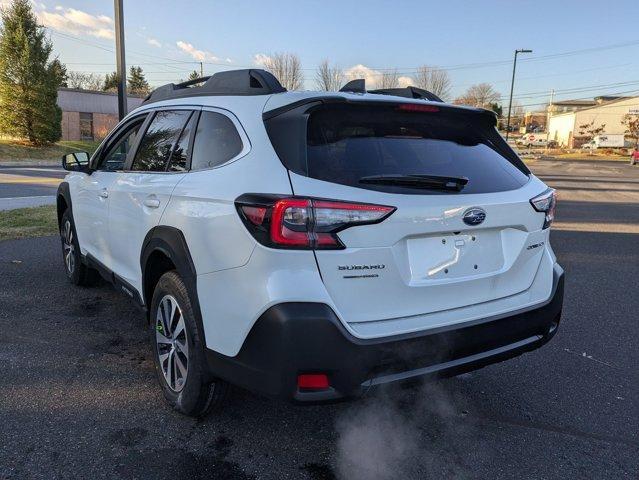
[
  {"x": 68, "y": 249},
  {"x": 172, "y": 343}
]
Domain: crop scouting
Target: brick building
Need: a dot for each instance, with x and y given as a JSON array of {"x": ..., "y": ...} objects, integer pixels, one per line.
[{"x": 88, "y": 115}]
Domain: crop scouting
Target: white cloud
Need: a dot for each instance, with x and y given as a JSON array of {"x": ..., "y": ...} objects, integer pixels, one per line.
[
  {"x": 362, "y": 71},
  {"x": 77, "y": 22},
  {"x": 373, "y": 77},
  {"x": 154, "y": 42},
  {"x": 261, "y": 59},
  {"x": 199, "y": 55},
  {"x": 405, "y": 81}
]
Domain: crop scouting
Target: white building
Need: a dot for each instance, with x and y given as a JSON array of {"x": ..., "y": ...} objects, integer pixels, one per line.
[{"x": 564, "y": 127}]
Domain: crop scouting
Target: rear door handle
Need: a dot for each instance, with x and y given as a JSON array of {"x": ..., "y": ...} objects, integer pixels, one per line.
[
  {"x": 151, "y": 202},
  {"x": 104, "y": 193}
]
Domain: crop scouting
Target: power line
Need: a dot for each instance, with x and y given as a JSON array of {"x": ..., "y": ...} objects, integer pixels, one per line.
[
  {"x": 587, "y": 98},
  {"x": 382, "y": 70}
]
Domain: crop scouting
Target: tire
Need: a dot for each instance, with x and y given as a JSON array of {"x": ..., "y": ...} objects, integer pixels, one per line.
[
  {"x": 178, "y": 351},
  {"x": 77, "y": 272}
]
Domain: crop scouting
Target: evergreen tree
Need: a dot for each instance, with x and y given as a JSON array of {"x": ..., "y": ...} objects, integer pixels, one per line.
[
  {"x": 110, "y": 82},
  {"x": 29, "y": 82},
  {"x": 61, "y": 71},
  {"x": 194, "y": 75},
  {"x": 137, "y": 83}
]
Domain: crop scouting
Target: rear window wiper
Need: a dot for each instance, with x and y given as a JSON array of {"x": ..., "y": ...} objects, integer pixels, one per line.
[{"x": 433, "y": 182}]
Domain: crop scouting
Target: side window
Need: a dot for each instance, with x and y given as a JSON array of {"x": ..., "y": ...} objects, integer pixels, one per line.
[
  {"x": 216, "y": 141},
  {"x": 116, "y": 153},
  {"x": 158, "y": 142}
]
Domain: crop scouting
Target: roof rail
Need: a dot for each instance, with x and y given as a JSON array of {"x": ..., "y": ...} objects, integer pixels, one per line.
[
  {"x": 359, "y": 86},
  {"x": 252, "y": 81}
]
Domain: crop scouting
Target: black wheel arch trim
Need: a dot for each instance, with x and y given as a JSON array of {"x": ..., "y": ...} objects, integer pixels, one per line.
[
  {"x": 171, "y": 242},
  {"x": 63, "y": 194}
]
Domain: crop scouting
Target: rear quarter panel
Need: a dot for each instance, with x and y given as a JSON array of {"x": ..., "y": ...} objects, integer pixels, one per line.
[{"x": 202, "y": 205}]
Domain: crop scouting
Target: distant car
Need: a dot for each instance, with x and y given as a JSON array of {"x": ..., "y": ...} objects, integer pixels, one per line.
[{"x": 313, "y": 245}]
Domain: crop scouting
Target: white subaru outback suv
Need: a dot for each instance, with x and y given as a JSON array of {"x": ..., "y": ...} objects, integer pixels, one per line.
[{"x": 313, "y": 245}]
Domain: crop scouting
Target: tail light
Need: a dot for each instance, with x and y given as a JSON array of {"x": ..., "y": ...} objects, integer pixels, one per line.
[
  {"x": 304, "y": 223},
  {"x": 546, "y": 203}
]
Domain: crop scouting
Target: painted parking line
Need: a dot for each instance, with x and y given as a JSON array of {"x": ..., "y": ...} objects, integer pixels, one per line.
[{"x": 596, "y": 227}]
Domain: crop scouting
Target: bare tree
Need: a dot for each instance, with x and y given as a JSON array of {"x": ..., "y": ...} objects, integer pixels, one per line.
[
  {"x": 286, "y": 67},
  {"x": 588, "y": 131},
  {"x": 327, "y": 78},
  {"x": 434, "y": 80},
  {"x": 389, "y": 79},
  {"x": 631, "y": 122},
  {"x": 85, "y": 81},
  {"x": 480, "y": 95},
  {"x": 517, "y": 110}
]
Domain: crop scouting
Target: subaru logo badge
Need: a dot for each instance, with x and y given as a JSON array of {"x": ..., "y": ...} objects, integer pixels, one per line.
[{"x": 474, "y": 216}]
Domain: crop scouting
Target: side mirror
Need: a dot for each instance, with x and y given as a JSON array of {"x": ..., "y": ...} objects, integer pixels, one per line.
[{"x": 76, "y": 162}]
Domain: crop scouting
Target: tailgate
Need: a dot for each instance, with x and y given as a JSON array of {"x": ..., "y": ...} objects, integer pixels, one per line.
[{"x": 424, "y": 258}]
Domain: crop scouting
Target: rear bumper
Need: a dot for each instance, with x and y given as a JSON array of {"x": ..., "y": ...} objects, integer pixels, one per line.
[{"x": 294, "y": 338}]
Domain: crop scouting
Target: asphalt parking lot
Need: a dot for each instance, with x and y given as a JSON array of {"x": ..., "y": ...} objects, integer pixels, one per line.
[{"x": 79, "y": 397}]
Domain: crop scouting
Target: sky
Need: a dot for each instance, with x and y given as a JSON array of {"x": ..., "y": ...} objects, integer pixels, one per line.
[{"x": 579, "y": 50}]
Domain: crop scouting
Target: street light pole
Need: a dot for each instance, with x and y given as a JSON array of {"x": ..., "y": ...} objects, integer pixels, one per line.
[
  {"x": 119, "y": 54},
  {"x": 512, "y": 86}
]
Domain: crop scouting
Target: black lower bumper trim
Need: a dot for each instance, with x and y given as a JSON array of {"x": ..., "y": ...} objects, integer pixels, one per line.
[{"x": 293, "y": 338}]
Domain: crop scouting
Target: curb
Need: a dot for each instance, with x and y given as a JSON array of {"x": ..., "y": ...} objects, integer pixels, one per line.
[{"x": 31, "y": 163}]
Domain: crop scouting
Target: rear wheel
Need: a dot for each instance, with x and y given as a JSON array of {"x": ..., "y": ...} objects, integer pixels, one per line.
[
  {"x": 179, "y": 352},
  {"x": 77, "y": 272}
]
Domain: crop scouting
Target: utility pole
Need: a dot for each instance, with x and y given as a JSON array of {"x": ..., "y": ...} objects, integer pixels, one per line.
[
  {"x": 552, "y": 96},
  {"x": 119, "y": 54},
  {"x": 512, "y": 86},
  {"x": 201, "y": 69}
]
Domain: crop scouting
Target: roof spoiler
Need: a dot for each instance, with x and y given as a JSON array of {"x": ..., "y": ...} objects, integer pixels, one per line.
[
  {"x": 252, "y": 81},
  {"x": 359, "y": 86}
]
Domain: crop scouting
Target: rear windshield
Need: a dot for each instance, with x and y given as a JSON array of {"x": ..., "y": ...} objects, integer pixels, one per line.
[{"x": 345, "y": 143}]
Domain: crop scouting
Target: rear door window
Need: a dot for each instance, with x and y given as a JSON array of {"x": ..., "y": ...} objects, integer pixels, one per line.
[
  {"x": 159, "y": 140},
  {"x": 216, "y": 141},
  {"x": 346, "y": 143}
]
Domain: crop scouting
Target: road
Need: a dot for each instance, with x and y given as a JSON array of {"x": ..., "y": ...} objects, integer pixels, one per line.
[
  {"x": 80, "y": 400},
  {"x": 28, "y": 186}
]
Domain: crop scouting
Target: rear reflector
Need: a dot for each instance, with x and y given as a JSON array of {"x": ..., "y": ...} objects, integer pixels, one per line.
[{"x": 312, "y": 381}]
